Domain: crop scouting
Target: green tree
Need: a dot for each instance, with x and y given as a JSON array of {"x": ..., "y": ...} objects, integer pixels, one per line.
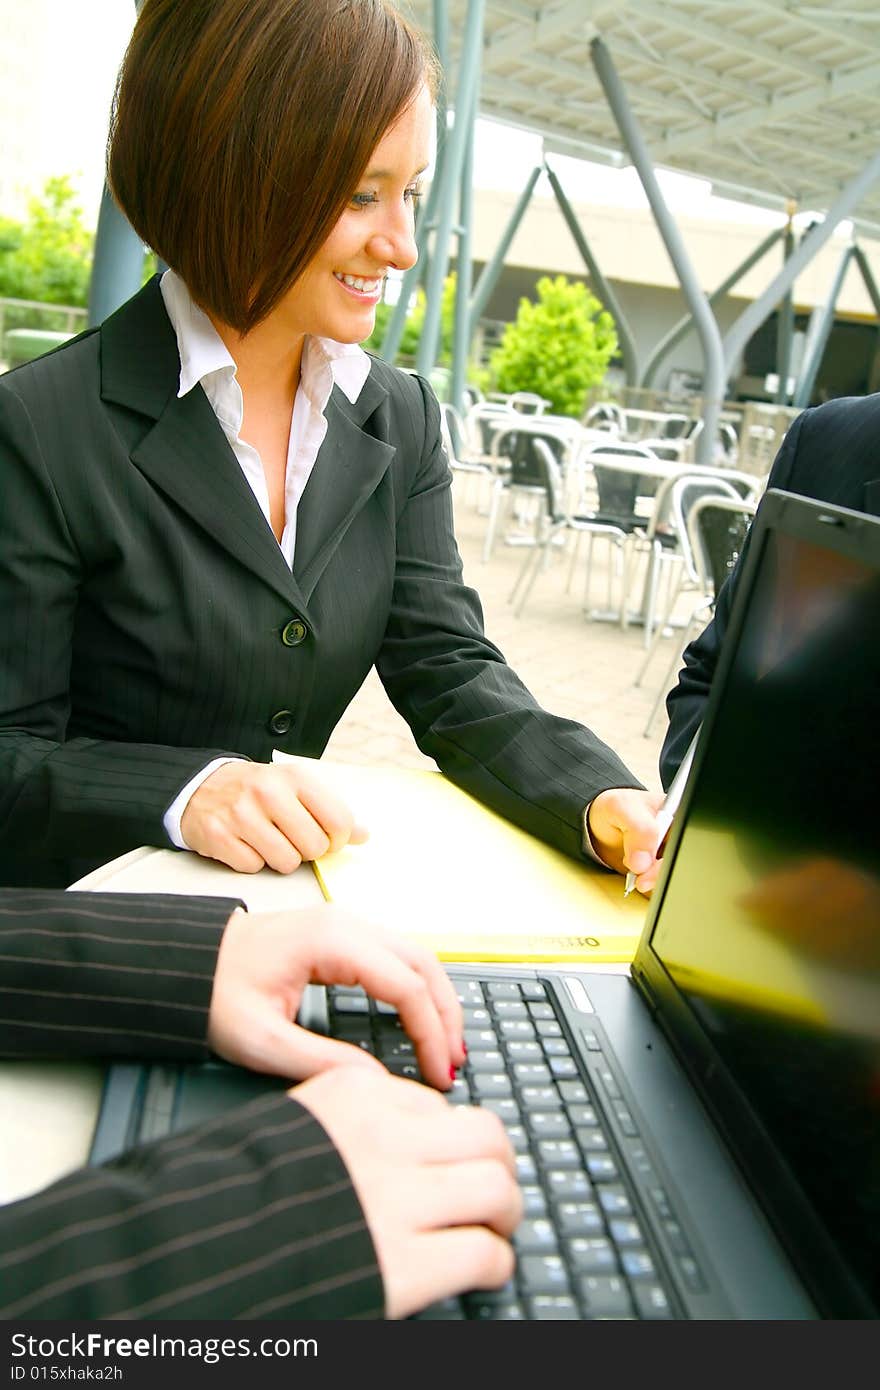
[
  {"x": 558, "y": 346},
  {"x": 48, "y": 256}
]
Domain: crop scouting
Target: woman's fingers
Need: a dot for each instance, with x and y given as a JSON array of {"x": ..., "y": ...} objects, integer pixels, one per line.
[{"x": 251, "y": 814}]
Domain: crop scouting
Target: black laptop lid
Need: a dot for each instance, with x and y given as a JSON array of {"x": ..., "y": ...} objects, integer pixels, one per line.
[{"x": 763, "y": 946}]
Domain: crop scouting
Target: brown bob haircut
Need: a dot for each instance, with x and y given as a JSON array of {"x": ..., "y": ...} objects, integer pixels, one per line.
[{"x": 240, "y": 130}]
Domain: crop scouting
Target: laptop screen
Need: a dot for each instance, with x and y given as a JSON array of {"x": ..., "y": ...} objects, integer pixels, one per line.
[{"x": 769, "y": 927}]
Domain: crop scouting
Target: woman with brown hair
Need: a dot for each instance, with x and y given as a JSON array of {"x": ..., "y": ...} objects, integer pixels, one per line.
[{"x": 221, "y": 512}]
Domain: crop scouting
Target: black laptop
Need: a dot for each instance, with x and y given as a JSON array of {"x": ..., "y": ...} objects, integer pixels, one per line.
[{"x": 701, "y": 1139}]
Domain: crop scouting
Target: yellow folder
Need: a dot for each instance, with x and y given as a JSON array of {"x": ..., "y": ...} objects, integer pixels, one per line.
[{"x": 440, "y": 867}]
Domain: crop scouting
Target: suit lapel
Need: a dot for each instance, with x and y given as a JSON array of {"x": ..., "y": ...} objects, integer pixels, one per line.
[
  {"x": 347, "y": 471},
  {"x": 186, "y": 453}
]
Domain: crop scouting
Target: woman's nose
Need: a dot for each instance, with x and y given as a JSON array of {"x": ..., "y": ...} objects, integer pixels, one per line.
[{"x": 395, "y": 244}]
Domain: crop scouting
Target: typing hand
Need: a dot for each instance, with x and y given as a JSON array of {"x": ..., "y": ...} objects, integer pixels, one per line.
[
  {"x": 249, "y": 815},
  {"x": 266, "y": 960},
  {"x": 436, "y": 1183},
  {"x": 623, "y": 828}
]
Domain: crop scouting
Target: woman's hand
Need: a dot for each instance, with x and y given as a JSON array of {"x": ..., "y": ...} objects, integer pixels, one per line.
[
  {"x": 623, "y": 829},
  {"x": 249, "y": 815},
  {"x": 266, "y": 960},
  {"x": 436, "y": 1182}
]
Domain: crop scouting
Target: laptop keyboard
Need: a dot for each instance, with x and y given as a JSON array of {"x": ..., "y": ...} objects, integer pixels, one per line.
[{"x": 583, "y": 1248}]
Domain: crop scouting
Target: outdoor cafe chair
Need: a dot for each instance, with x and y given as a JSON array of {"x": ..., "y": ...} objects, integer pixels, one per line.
[{"x": 711, "y": 519}]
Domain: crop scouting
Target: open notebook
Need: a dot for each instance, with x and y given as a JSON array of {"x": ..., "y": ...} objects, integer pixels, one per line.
[{"x": 441, "y": 867}]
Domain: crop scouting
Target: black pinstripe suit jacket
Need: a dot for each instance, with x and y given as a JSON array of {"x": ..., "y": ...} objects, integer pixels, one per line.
[
  {"x": 250, "y": 1216},
  {"x": 147, "y": 610},
  {"x": 831, "y": 453}
]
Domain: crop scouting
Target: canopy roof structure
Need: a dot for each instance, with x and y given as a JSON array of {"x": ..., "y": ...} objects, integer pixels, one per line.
[{"x": 773, "y": 101}]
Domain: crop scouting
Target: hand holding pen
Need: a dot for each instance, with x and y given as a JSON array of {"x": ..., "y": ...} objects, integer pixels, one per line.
[{"x": 670, "y": 805}]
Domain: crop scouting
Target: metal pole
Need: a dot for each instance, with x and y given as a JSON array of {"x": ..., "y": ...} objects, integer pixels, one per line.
[
  {"x": 492, "y": 269},
  {"x": 821, "y": 322},
  {"x": 707, "y": 328},
  {"x": 426, "y": 222},
  {"x": 785, "y": 323},
  {"x": 868, "y": 277},
  {"x": 461, "y": 338},
  {"x": 465, "y": 110},
  {"x": 752, "y": 317},
  {"x": 118, "y": 259},
  {"x": 678, "y": 331},
  {"x": 605, "y": 292}
]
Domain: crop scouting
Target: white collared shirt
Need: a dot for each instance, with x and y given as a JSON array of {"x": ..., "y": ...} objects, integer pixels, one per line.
[{"x": 205, "y": 361}]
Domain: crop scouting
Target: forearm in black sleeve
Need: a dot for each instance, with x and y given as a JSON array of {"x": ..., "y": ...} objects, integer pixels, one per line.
[
  {"x": 107, "y": 974},
  {"x": 250, "y": 1216},
  {"x": 466, "y": 707}
]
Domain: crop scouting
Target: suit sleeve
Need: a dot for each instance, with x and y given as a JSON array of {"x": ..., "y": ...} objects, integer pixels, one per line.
[
  {"x": 466, "y": 707},
  {"x": 54, "y": 790},
  {"x": 251, "y": 1215},
  {"x": 686, "y": 702}
]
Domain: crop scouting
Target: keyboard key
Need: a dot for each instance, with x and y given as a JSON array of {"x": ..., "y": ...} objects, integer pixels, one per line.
[
  {"x": 392, "y": 1049},
  {"x": 563, "y": 1066},
  {"x": 543, "y": 1274},
  {"x": 476, "y": 1017},
  {"x": 637, "y": 1264},
  {"x": 497, "y": 1312},
  {"x": 574, "y": 1092},
  {"x": 540, "y": 1098},
  {"x": 604, "y": 1296},
  {"x": 609, "y": 1081},
  {"x": 692, "y": 1274},
  {"x": 568, "y": 1183},
  {"x": 625, "y": 1231},
  {"x": 591, "y": 1040},
  {"x": 545, "y": 1029},
  {"x": 509, "y": 1008},
  {"x": 485, "y": 1061},
  {"x": 614, "y": 1201},
  {"x": 491, "y": 1084},
  {"x": 592, "y": 1255},
  {"x": 531, "y": 1073},
  {"x": 480, "y": 1039},
  {"x": 506, "y": 1109},
  {"x": 524, "y": 1051},
  {"x": 503, "y": 989},
  {"x": 602, "y": 1168},
  {"x": 532, "y": 990},
  {"x": 536, "y": 1236},
  {"x": 651, "y": 1302},
  {"x": 581, "y": 1115},
  {"x": 545, "y": 1308},
  {"x": 351, "y": 1004},
  {"x": 518, "y": 1138},
  {"x": 534, "y": 1200},
  {"x": 516, "y": 1030},
  {"x": 555, "y": 1047},
  {"x": 459, "y": 1092},
  {"x": 591, "y": 1140},
  {"x": 526, "y": 1172},
  {"x": 548, "y": 1124},
  {"x": 469, "y": 993},
  {"x": 541, "y": 1010},
  {"x": 559, "y": 1153},
  {"x": 579, "y": 1219}
]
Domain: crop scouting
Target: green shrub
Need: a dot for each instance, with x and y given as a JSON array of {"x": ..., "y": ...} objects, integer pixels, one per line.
[{"x": 558, "y": 346}]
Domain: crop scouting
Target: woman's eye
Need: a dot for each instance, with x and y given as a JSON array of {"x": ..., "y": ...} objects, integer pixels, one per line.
[
  {"x": 414, "y": 193},
  {"x": 363, "y": 200}
]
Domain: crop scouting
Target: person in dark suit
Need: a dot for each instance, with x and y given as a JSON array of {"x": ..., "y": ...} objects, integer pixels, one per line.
[
  {"x": 221, "y": 512},
  {"x": 356, "y": 1194},
  {"x": 832, "y": 453}
]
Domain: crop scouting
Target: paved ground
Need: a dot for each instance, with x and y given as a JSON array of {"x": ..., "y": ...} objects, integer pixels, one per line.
[{"x": 581, "y": 669}]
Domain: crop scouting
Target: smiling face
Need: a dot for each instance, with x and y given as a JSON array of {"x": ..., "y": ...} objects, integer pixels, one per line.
[{"x": 337, "y": 294}]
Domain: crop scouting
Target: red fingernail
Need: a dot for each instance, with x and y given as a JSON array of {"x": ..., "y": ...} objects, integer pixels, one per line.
[
  {"x": 464, "y": 1047},
  {"x": 452, "y": 1073}
]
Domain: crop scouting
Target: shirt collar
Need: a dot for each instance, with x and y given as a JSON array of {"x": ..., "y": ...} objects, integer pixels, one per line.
[{"x": 203, "y": 352}]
